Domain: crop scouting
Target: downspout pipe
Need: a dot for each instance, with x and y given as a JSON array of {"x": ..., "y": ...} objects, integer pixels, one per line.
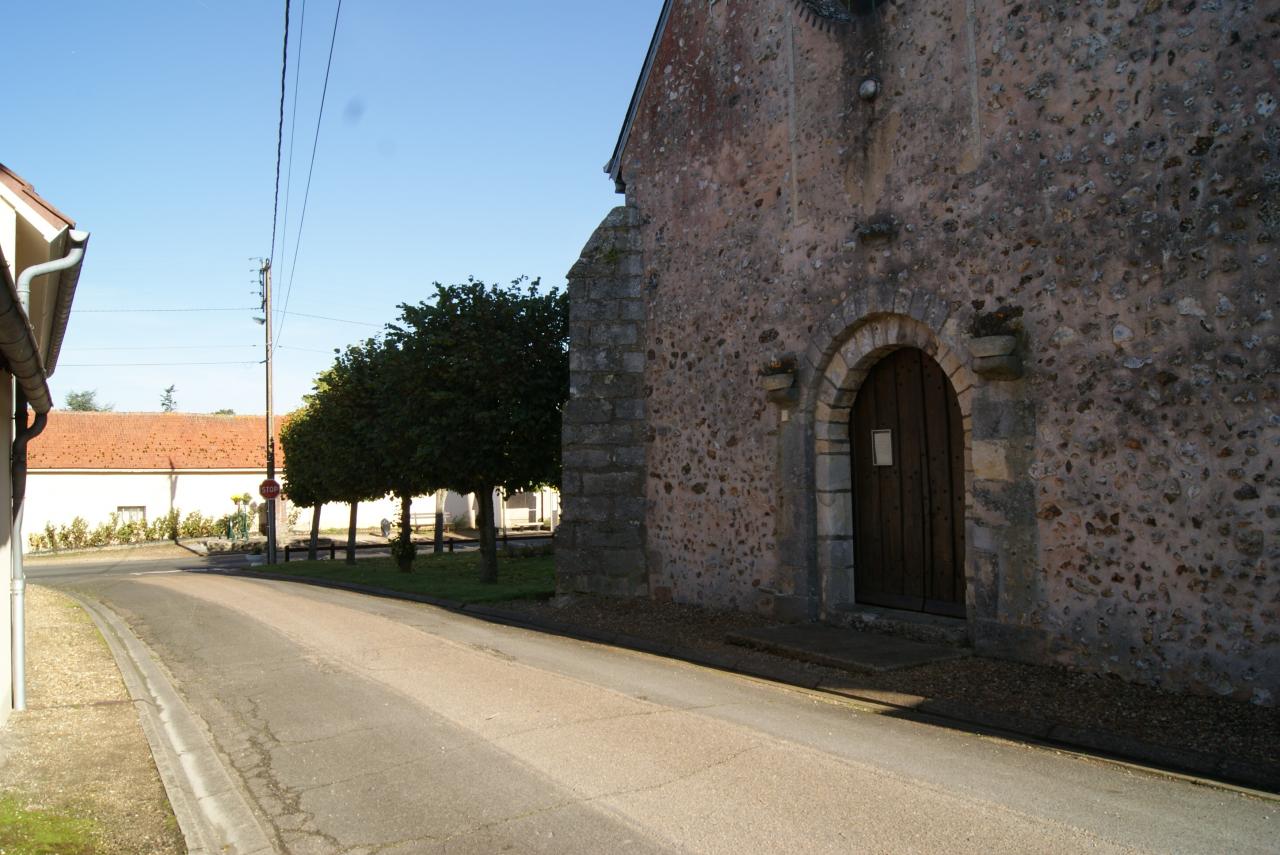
[
  {"x": 18, "y": 581},
  {"x": 30, "y": 387}
]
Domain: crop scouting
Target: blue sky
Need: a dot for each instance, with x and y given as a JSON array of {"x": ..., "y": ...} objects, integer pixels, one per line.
[{"x": 458, "y": 139}]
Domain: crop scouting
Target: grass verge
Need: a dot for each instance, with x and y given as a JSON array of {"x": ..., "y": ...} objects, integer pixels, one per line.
[
  {"x": 39, "y": 831},
  {"x": 450, "y": 577}
]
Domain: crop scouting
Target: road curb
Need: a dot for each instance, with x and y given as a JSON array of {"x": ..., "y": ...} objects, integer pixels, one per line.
[
  {"x": 1261, "y": 780},
  {"x": 214, "y": 816}
]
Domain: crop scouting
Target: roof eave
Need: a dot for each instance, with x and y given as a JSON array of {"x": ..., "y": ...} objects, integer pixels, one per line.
[
  {"x": 67, "y": 283},
  {"x": 37, "y": 210},
  {"x": 614, "y": 166},
  {"x": 19, "y": 348}
]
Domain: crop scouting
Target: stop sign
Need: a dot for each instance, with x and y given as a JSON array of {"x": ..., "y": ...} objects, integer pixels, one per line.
[{"x": 269, "y": 489}]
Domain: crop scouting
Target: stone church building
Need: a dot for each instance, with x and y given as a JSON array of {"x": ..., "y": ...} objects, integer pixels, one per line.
[{"x": 957, "y": 309}]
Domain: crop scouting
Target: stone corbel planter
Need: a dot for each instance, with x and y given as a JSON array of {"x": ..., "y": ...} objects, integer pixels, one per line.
[
  {"x": 995, "y": 357},
  {"x": 778, "y": 379}
]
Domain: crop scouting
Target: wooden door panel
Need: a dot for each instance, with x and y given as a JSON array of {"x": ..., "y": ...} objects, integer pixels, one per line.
[
  {"x": 888, "y": 487},
  {"x": 912, "y": 471},
  {"x": 955, "y": 422},
  {"x": 944, "y": 562},
  {"x": 868, "y": 546},
  {"x": 908, "y": 517}
]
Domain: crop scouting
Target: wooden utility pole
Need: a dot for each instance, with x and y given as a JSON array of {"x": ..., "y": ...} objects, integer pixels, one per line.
[{"x": 271, "y": 432}]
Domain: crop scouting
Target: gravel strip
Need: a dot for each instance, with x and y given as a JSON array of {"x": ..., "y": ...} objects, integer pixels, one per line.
[{"x": 79, "y": 749}]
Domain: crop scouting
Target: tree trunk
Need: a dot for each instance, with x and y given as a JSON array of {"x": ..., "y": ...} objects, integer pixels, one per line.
[
  {"x": 488, "y": 538},
  {"x": 315, "y": 532},
  {"x": 351, "y": 535},
  {"x": 405, "y": 561},
  {"x": 437, "y": 545}
]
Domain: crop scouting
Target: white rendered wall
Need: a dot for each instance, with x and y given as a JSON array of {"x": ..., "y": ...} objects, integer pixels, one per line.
[
  {"x": 6, "y": 503},
  {"x": 57, "y": 497}
]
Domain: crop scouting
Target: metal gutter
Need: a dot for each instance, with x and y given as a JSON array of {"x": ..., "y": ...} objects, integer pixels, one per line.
[
  {"x": 614, "y": 166},
  {"x": 62, "y": 308},
  {"x": 18, "y": 346}
]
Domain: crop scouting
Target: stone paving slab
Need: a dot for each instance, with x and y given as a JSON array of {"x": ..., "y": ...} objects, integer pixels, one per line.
[{"x": 846, "y": 649}]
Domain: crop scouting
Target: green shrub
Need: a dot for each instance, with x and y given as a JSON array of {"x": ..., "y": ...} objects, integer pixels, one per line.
[
  {"x": 169, "y": 526},
  {"x": 196, "y": 524},
  {"x": 103, "y": 535},
  {"x": 164, "y": 528},
  {"x": 404, "y": 551},
  {"x": 74, "y": 536},
  {"x": 128, "y": 532}
]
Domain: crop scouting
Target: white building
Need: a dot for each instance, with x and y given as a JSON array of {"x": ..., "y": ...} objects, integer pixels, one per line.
[
  {"x": 40, "y": 257},
  {"x": 142, "y": 466}
]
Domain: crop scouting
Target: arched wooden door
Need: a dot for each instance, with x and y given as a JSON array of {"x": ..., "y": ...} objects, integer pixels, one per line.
[{"x": 908, "y": 487}]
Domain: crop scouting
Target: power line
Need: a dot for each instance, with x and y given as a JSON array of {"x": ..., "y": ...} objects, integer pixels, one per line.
[
  {"x": 293, "y": 124},
  {"x": 229, "y": 309},
  {"x": 160, "y": 347},
  {"x": 326, "y": 318},
  {"x": 284, "y": 70},
  {"x": 151, "y": 309},
  {"x": 155, "y": 364},
  {"x": 303, "y": 349},
  {"x": 315, "y": 143}
]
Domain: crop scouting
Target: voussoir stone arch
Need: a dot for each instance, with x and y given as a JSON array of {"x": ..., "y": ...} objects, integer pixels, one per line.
[{"x": 867, "y": 327}]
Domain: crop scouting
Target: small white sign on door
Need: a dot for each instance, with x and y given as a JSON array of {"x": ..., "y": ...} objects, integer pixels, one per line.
[{"x": 882, "y": 448}]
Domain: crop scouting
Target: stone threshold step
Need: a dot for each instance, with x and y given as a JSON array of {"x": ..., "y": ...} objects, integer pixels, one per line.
[
  {"x": 930, "y": 629},
  {"x": 845, "y": 649}
]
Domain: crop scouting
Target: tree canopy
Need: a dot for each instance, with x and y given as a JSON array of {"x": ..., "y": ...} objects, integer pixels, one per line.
[
  {"x": 494, "y": 369},
  {"x": 462, "y": 392},
  {"x": 86, "y": 401},
  {"x": 304, "y": 440}
]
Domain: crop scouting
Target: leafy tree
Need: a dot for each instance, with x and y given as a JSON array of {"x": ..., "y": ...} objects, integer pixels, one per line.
[
  {"x": 167, "y": 402},
  {"x": 398, "y": 435},
  {"x": 224, "y": 412},
  {"x": 86, "y": 401},
  {"x": 493, "y": 370},
  {"x": 304, "y": 440},
  {"x": 348, "y": 399}
]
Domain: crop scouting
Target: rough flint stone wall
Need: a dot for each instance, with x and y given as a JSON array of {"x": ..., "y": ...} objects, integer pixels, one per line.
[
  {"x": 1101, "y": 180},
  {"x": 600, "y": 542}
]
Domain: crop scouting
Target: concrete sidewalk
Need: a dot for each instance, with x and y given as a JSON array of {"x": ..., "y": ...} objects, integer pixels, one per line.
[{"x": 804, "y": 647}]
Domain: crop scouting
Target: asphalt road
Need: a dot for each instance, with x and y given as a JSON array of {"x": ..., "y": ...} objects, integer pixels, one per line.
[{"x": 359, "y": 725}]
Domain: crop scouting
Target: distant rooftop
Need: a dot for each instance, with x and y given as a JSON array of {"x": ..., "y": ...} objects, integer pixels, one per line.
[{"x": 160, "y": 441}]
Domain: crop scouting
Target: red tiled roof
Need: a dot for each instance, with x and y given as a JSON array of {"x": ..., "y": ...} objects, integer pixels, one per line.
[{"x": 76, "y": 440}]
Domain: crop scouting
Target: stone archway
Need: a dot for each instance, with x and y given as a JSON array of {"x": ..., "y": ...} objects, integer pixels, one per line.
[{"x": 838, "y": 375}]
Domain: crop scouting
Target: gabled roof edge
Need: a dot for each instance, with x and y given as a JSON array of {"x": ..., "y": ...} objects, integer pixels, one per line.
[
  {"x": 614, "y": 166},
  {"x": 25, "y": 191}
]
